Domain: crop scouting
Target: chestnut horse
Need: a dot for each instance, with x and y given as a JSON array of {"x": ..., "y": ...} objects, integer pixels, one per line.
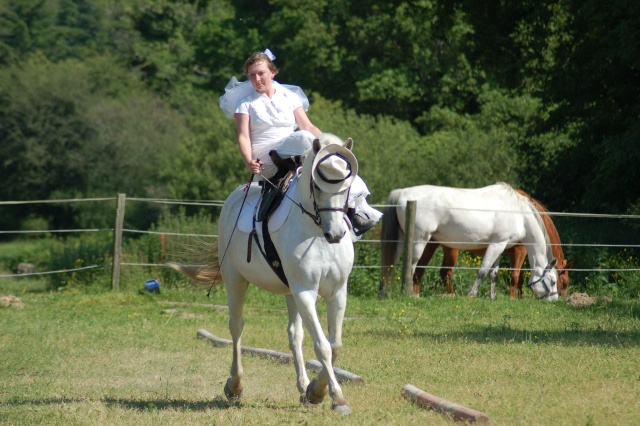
[{"x": 516, "y": 255}]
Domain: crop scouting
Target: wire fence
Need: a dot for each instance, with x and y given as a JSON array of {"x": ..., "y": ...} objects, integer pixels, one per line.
[{"x": 219, "y": 203}]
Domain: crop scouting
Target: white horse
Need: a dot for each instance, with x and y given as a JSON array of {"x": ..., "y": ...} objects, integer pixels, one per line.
[
  {"x": 316, "y": 259},
  {"x": 495, "y": 217}
]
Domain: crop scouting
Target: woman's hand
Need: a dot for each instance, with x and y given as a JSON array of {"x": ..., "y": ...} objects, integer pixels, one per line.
[{"x": 255, "y": 166}]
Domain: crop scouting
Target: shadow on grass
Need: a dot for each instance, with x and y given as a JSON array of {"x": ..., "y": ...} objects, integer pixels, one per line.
[
  {"x": 150, "y": 405},
  {"x": 174, "y": 404},
  {"x": 575, "y": 336},
  {"x": 137, "y": 404}
]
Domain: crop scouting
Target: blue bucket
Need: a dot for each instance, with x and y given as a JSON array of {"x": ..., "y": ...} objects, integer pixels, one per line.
[{"x": 152, "y": 286}]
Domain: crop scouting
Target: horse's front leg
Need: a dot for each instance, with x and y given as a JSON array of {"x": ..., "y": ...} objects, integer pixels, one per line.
[
  {"x": 517, "y": 274},
  {"x": 236, "y": 293},
  {"x": 336, "y": 307},
  {"x": 317, "y": 389},
  {"x": 493, "y": 275},
  {"x": 449, "y": 259},
  {"x": 491, "y": 255},
  {"x": 296, "y": 334}
]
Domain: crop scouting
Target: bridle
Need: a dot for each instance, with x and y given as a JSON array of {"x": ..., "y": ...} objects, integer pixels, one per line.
[{"x": 315, "y": 216}]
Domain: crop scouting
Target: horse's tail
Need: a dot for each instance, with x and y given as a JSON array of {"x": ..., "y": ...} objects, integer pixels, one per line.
[
  {"x": 203, "y": 267},
  {"x": 390, "y": 235}
]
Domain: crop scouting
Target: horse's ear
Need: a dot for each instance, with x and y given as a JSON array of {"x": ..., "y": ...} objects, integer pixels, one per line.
[
  {"x": 569, "y": 265},
  {"x": 349, "y": 144},
  {"x": 553, "y": 263},
  {"x": 316, "y": 145}
]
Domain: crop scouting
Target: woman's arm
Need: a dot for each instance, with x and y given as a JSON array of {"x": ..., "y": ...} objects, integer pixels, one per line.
[
  {"x": 304, "y": 123},
  {"x": 244, "y": 143}
]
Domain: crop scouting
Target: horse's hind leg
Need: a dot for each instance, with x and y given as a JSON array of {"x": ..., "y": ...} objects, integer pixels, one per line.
[
  {"x": 296, "y": 334},
  {"x": 325, "y": 351},
  {"x": 421, "y": 255},
  {"x": 236, "y": 292},
  {"x": 424, "y": 260}
]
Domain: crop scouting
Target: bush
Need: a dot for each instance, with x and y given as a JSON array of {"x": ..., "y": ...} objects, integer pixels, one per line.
[
  {"x": 34, "y": 251},
  {"x": 364, "y": 281},
  {"x": 164, "y": 245},
  {"x": 81, "y": 252},
  {"x": 619, "y": 276}
]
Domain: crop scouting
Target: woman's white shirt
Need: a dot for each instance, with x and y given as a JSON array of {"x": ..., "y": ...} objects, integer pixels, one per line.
[{"x": 270, "y": 119}]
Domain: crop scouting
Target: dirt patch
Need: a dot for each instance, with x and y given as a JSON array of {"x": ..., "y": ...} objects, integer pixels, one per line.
[
  {"x": 8, "y": 301},
  {"x": 191, "y": 316},
  {"x": 183, "y": 314},
  {"x": 581, "y": 300}
]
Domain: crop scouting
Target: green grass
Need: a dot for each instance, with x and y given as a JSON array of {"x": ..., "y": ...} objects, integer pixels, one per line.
[{"x": 116, "y": 358}]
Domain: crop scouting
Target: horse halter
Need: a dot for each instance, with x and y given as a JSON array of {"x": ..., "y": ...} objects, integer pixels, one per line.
[{"x": 547, "y": 287}]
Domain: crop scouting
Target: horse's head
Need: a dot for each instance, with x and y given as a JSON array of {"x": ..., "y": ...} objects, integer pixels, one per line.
[
  {"x": 563, "y": 276},
  {"x": 544, "y": 282},
  {"x": 333, "y": 168}
]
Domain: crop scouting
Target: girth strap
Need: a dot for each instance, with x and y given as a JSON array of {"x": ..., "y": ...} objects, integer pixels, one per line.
[{"x": 269, "y": 252}]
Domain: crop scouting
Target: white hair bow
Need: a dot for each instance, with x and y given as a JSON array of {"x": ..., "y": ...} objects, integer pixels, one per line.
[{"x": 269, "y": 54}]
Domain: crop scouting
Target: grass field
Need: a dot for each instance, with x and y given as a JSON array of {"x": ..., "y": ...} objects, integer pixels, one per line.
[{"x": 119, "y": 359}]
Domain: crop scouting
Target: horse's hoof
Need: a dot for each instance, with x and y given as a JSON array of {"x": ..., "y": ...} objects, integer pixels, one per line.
[
  {"x": 305, "y": 401},
  {"x": 314, "y": 397},
  {"x": 231, "y": 395},
  {"x": 341, "y": 408}
]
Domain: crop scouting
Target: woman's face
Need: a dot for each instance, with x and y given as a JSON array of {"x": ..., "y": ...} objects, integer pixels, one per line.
[{"x": 261, "y": 76}]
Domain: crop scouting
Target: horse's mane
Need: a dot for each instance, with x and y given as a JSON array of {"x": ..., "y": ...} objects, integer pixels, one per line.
[
  {"x": 550, "y": 227},
  {"x": 528, "y": 202}
]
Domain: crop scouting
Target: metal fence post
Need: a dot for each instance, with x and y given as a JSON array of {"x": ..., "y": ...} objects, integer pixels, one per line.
[
  {"x": 117, "y": 242},
  {"x": 407, "y": 258}
]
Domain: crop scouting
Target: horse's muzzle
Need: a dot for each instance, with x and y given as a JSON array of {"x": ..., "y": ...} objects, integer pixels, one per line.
[{"x": 333, "y": 239}]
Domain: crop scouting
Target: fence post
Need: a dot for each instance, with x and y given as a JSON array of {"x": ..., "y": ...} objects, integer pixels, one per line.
[
  {"x": 117, "y": 242},
  {"x": 407, "y": 258}
]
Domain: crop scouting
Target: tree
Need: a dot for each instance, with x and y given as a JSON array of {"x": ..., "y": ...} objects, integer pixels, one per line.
[
  {"x": 57, "y": 29},
  {"x": 77, "y": 129},
  {"x": 596, "y": 85}
]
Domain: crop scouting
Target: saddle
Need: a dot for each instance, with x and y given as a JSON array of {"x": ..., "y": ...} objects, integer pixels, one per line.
[{"x": 273, "y": 193}]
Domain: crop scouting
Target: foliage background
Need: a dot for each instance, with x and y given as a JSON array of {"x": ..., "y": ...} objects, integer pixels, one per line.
[{"x": 106, "y": 96}]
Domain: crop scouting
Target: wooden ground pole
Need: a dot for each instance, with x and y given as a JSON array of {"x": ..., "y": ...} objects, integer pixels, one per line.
[{"x": 457, "y": 412}]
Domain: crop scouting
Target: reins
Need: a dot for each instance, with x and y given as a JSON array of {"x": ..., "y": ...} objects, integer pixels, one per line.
[{"x": 244, "y": 199}]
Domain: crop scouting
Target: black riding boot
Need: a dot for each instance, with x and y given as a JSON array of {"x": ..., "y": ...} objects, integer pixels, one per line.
[{"x": 360, "y": 221}]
